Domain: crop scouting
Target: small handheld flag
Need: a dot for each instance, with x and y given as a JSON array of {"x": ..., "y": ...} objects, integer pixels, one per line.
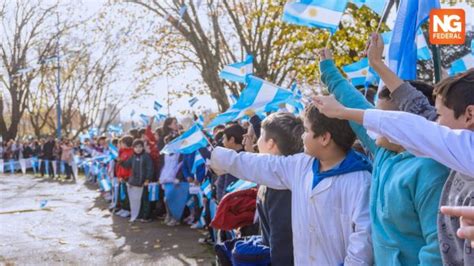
[
  {"x": 188, "y": 142},
  {"x": 193, "y": 101},
  {"x": 462, "y": 64},
  {"x": 357, "y": 72},
  {"x": 198, "y": 161},
  {"x": 145, "y": 119},
  {"x": 113, "y": 151},
  {"x": 238, "y": 72},
  {"x": 157, "y": 106}
]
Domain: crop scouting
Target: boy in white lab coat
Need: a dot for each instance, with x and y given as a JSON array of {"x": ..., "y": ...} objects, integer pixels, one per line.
[{"x": 330, "y": 191}]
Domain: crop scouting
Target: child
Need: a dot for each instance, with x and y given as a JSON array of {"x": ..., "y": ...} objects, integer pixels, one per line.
[
  {"x": 279, "y": 134},
  {"x": 142, "y": 171},
  {"x": 455, "y": 105},
  {"x": 232, "y": 139},
  {"x": 329, "y": 185},
  {"x": 407, "y": 236},
  {"x": 125, "y": 152},
  {"x": 171, "y": 176}
]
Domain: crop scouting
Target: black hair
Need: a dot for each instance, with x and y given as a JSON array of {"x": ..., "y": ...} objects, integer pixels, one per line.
[
  {"x": 423, "y": 87},
  {"x": 340, "y": 130},
  {"x": 235, "y": 131},
  {"x": 138, "y": 142}
]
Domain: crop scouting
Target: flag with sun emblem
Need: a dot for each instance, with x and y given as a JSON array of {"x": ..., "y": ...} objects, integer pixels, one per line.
[
  {"x": 315, "y": 13},
  {"x": 238, "y": 72},
  {"x": 357, "y": 72},
  {"x": 258, "y": 96},
  {"x": 188, "y": 142}
]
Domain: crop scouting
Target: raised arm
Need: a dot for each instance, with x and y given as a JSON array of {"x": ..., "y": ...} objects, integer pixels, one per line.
[
  {"x": 347, "y": 95},
  {"x": 403, "y": 94},
  {"x": 277, "y": 172},
  {"x": 453, "y": 148}
]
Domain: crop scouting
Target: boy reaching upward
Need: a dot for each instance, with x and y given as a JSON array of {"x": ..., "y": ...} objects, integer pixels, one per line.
[
  {"x": 329, "y": 184},
  {"x": 450, "y": 142}
]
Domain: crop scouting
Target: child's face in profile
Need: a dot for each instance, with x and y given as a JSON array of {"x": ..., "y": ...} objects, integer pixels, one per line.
[
  {"x": 446, "y": 116},
  {"x": 313, "y": 146},
  {"x": 138, "y": 149},
  {"x": 267, "y": 146}
]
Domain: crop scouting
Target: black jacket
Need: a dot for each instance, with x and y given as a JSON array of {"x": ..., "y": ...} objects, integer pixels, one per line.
[
  {"x": 48, "y": 148},
  {"x": 142, "y": 168}
]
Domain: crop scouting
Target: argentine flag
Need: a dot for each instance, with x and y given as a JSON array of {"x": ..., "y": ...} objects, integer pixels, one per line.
[
  {"x": 296, "y": 92},
  {"x": 188, "y": 142},
  {"x": 240, "y": 185},
  {"x": 200, "y": 120},
  {"x": 193, "y": 101},
  {"x": 371, "y": 78},
  {"x": 115, "y": 129},
  {"x": 257, "y": 96},
  {"x": 206, "y": 189},
  {"x": 159, "y": 117},
  {"x": 462, "y": 64},
  {"x": 113, "y": 151},
  {"x": 357, "y": 72},
  {"x": 386, "y": 37},
  {"x": 238, "y": 72},
  {"x": 315, "y": 13},
  {"x": 198, "y": 161},
  {"x": 233, "y": 98},
  {"x": 145, "y": 119},
  {"x": 422, "y": 50},
  {"x": 157, "y": 106}
]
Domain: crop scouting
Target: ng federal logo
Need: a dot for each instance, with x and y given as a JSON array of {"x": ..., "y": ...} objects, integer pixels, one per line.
[{"x": 447, "y": 26}]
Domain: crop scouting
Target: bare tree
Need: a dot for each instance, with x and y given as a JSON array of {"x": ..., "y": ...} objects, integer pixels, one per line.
[{"x": 24, "y": 27}]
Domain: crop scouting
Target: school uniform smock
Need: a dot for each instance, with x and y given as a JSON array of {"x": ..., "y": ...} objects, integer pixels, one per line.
[{"x": 330, "y": 222}]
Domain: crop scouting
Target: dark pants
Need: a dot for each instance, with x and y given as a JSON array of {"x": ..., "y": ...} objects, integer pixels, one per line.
[
  {"x": 124, "y": 203},
  {"x": 146, "y": 206},
  {"x": 69, "y": 171},
  {"x": 43, "y": 168}
]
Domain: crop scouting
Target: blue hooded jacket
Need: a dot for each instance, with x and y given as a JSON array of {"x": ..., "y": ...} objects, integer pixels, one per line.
[{"x": 353, "y": 162}]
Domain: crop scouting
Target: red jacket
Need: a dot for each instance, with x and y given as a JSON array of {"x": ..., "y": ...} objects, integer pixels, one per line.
[
  {"x": 122, "y": 172},
  {"x": 236, "y": 209},
  {"x": 154, "y": 152}
]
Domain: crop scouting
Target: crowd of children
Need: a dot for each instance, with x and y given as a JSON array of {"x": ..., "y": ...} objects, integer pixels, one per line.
[{"x": 404, "y": 197}]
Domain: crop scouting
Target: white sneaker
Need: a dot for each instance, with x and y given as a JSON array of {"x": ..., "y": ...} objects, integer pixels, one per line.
[
  {"x": 189, "y": 220},
  {"x": 167, "y": 219},
  {"x": 108, "y": 197},
  {"x": 173, "y": 222},
  {"x": 125, "y": 214},
  {"x": 196, "y": 226},
  {"x": 119, "y": 213}
]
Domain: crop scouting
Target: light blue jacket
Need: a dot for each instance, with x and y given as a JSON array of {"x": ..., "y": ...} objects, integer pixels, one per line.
[{"x": 404, "y": 194}]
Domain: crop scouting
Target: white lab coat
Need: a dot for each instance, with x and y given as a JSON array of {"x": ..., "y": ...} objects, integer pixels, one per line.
[
  {"x": 451, "y": 147},
  {"x": 330, "y": 223}
]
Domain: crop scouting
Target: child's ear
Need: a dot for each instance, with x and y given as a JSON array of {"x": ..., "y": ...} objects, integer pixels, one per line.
[
  {"x": 326, "y": 139},
  {"x": 469, "y": 117}
]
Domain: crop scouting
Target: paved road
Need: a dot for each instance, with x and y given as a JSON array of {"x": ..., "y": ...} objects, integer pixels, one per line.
[{"x": 75, "y": 227}]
